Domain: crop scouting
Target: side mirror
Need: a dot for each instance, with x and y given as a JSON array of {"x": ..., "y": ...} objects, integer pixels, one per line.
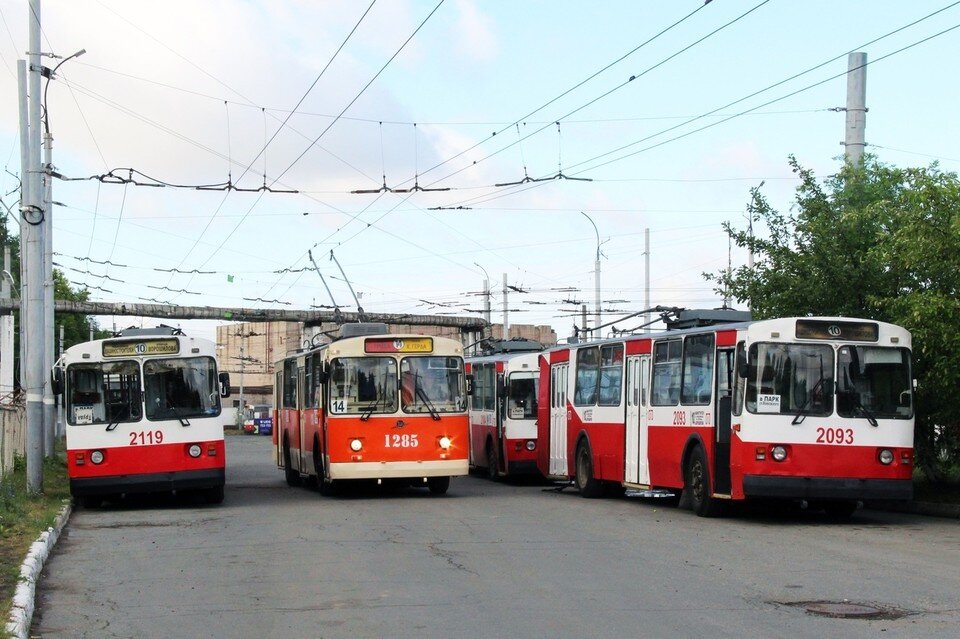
[
  {"x": 743, "y": 369},
  {"x": 224, "y": 379},
  {"x": 56, "y": 381},
  {"x": 469, "y": 380}
]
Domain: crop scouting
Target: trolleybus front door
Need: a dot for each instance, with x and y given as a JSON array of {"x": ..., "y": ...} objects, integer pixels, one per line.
[
  {"x": 558, "y": 419},
  {"x": 722, "y": 420},
  {"x": 637, "y": 469}
]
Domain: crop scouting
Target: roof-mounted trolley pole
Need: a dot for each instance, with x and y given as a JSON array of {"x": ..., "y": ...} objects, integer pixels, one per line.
[
  {"x": 337, "y": 315},
  {"x": 360, "y": 312}
]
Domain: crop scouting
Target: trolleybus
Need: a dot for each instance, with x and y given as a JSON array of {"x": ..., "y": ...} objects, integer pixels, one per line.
[
  {"x": 503, "y": 412},
  {"x": 142, "y": 412},
  {"x": 818, "y": 409},
  {"x": 372, "y": 406}
]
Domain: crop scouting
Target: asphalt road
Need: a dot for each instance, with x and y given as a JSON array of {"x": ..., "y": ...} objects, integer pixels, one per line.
[{"x": 486, "y": 560}]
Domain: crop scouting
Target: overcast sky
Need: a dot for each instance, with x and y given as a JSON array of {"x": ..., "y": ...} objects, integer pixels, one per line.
[{"x": 462, "y": 96}]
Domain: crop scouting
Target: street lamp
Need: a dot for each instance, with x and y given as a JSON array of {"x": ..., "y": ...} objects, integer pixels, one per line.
[
  {"x": 596, "y": 279},
  {"x": 486, "y": 293}
]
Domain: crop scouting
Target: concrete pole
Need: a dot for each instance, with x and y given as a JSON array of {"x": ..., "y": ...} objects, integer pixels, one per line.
[
  {"x": 25, "y": 194},
  {"x": 856, "y": 107},
  {"x": 49, "y": 403},
  {"x": 35, "y": 322},
  {"x": 506, "y": 324},
  {"x": 596, "y": 280},
  {"x": 61, "y": 425},
  {"x": 486, "y": 300},
  {"x": 646, "y": 278}
]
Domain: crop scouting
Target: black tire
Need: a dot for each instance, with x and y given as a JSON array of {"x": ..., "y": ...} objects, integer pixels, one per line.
[
  {"x": 438, "y": 485},
  {"x": 325, "y": 488},
  {"x": 588, "y": 486},
  {"x": 292, "y": 476},
  {"x": 697, "y": 486},
  {"x": 614, "y": 489},
  {"x": 213, "y": 495},
  {"x": 493, "y": 462},
  {"x": 838, "y": 510}
]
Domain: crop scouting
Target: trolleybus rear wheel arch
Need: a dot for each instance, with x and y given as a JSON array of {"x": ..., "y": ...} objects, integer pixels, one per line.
[
  {"x": 493, "y": 464},
  {"x": 438, "y": 485},
  {"x": 697, "y": 484},
  {"x": 586, "y": 483},
  {"x": 292, "y": 476}
]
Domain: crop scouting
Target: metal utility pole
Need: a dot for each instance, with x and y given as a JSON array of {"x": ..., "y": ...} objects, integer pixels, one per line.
[
  {"x": 596, "y": 280},
  {"x": 49, "y": 405},
  {"x": 506, "y": 325},
  {"x": 856, "y": 107},
  {"x": 32, "y": 327},
  {"x": 61, "y": 425},
  {"x": 6, "y": 334}
]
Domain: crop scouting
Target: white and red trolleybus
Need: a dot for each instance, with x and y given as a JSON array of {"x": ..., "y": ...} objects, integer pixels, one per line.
[
  {"x": 373, "y": 406},
  {"x": 503, "y": 412},
  {"x": 812, "y": 408},
  {"x": 142, "y": 413}
]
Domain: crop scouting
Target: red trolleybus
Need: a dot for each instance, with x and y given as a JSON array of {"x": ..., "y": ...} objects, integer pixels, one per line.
[
  {"x": 372, "y": 406},
  {"x": 503, "y": 412},
  {"x": 813, "y": 408},
  {"x": 143, "y": 415}
]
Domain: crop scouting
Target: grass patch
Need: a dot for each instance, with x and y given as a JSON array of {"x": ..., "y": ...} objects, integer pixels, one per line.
[{"x": 23, "y": 517}]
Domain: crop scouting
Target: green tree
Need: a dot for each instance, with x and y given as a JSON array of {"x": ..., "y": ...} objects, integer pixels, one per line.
[{"x": 878, "y": 242}]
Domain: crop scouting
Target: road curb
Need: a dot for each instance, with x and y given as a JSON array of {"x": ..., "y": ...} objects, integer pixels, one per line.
[{"x": 21, "y": 613}]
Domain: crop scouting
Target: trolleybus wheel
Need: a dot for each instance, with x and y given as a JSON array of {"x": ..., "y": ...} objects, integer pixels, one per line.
[
  {"x": 292, "y": 476},
  {"x": 438, "y": 485},
  {"x": 698, "y": 485},
  {"x": 493, "y": 465},
  {"x": 586, "y": 484},
  {"x": 326, "y": 488}
]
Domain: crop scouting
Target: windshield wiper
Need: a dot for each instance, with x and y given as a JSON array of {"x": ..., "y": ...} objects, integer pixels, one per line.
[
  {"x": 802, "y": 411},
  {"x": 871, "y": 418},
  {"x": 430, "y": 407},
  {"x": 370, "y": 410},
  {"x": 176, "y": 413}
]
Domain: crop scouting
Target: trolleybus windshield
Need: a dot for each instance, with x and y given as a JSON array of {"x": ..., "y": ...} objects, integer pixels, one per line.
[
  {"x": 363, "y": 385},
  {"x": 522, "y": 396},
  {"x": 181, "y": 388},
  {"x": 103, "y": 393},
  {"x": 432, "y": 384},
  {"x": 790, "y": 378},
  {"x": 874, "y": 382}
]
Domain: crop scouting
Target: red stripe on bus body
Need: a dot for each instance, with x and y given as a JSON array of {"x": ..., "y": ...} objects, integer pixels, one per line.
[
  {"x": 385, "y": 439},
  {"x": 144, "y": 459}
]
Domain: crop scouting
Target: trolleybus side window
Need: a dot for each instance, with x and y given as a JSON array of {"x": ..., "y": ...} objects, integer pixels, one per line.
[
  {"x": 290, "y": 383},
  {"x": 611, "y": 374},
  {"x": 362, "y": 385},
  {"x": 697, "y": 370},
  {"x": 790, "y": 379},
  {"x": 588, "y": 369},
  {"x": 875, "y": 382},
  {"x": 666, "y": 373},
  {"x": 179, "y": 388},
  {"x": 432, "y": 384},
  {"x": 484, "y": 391},
  {"x": 107, "y": 392}
]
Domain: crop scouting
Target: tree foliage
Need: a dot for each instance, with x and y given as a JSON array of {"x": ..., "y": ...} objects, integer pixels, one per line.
[{"x": 876, "y": 242}]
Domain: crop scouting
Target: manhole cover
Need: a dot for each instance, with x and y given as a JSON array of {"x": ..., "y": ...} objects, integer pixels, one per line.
[{"x": 847, "y": 609}]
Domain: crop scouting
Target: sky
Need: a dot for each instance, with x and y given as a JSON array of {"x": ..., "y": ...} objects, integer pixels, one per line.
[{"x": 327, "y": 98}]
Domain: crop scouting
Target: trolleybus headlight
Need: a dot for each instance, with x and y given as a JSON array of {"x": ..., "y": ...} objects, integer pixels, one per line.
[
  {"x": 96, "y": 457},
  {"x": 779, "y": 453},
  {"x": 356, "y": 445},
  {"x": 445, "y": 442},
  {"x": 194, "y": 450},
  {"x": 886, "y": 456},
  {"x": 531, "y": 444}
]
